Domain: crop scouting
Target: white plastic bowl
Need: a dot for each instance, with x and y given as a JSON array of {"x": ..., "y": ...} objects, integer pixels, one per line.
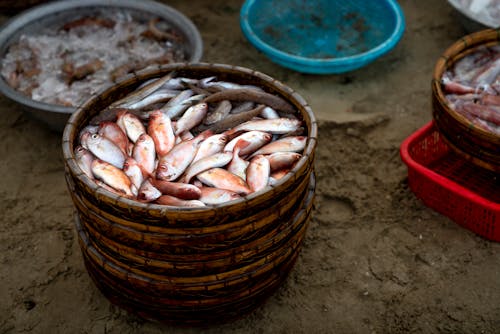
[{"x": 56, "y": 116}]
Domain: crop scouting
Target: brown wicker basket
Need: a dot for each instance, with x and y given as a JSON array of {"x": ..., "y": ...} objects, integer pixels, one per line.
[
  {"x": 191, "y": 266},
  {"x": 472, "y": 143}
]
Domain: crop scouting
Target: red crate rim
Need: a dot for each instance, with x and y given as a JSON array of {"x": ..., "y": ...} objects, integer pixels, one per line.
[{"x": 439, "y": 179}]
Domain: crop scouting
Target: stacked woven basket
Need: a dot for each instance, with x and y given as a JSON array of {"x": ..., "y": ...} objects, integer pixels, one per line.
[
  {"x": 471, "y": 142},
  {"x": 191, "y": 266}
]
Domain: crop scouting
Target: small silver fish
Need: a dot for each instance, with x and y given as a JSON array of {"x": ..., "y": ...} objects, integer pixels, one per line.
[
  {"x": 174, "y": 110},
  {"x": 232, "y": 120},
  {"x": 209, "y": 83},
  {"x": 242, "y": 107},
  {"x": 269, "y": 113},
  {"x": 160, "y": 95},
  {"x": 144, "y": 91},
  {"x": 85, "y": 133},
  {"x": 245, "y": 94},
  {"x": 220, "y": 112},
  {"x": 104, "y": 149},
  {"x": 178, "y": 99},
  {"x": 179, "y": 83},
  {"x": 192, "y": 117}
]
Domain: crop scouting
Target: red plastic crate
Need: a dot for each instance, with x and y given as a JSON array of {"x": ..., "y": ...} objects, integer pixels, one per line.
[{"x": 466, "y": 193}]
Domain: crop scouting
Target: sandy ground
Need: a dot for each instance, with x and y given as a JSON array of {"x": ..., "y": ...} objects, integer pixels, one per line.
[{"x": 375, "y": 259}]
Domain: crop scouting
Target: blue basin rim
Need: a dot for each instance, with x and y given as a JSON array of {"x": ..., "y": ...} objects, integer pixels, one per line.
[{"x": 350, "y": 62}]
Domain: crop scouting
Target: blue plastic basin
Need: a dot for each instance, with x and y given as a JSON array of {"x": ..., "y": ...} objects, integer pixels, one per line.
[{"x": 322, "y": 36}]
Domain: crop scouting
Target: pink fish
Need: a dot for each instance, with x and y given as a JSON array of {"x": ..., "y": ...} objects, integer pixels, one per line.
[
  {"x": 286, "y": 144},
  {"x": 274, "y": 126},
  {"x": 130, "y": 124},
  {"x": 160, "y": 129},
  {"x": 144, "y": 153},
  {"x": 454, "y": 87},
  {"x": 113, "y": 132},
  {"x": 255, "y": 140},
  {"x": 213, "y": 196},
  {"x": 174, "y": 201},
  {"x": 148, "y": 192},
  {"x": 134, "y": 171},
  {"x": 490, "y": 99},
  {"x": 258, "y": 173},
  {"x": 277, "y": 175},
  {"x": 282, "y": 160},
  {"x": 211, "y": 145},
  {"x": 221, "y": 178},
  {"x": 174, "y": 163},
  {"x": 112, "y": 176},
  {"x": 84, "y": 160},
  {"x": 185, "y": 135},
  {"x": 206, "y": 163},
  {"x": 238, "y": 166},
  {"x": 177, "y": 189},
  {"x": 108, "y": 188},
  {"x": 488, "y": 113}
]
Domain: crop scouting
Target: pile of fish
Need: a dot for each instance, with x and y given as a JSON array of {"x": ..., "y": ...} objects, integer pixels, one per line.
[
  {"x": 189, "y": 142},
  {"x": 486, "y": 12},
  {"x": 472, "y": 88},
  {"x": 66, "y": 62}
]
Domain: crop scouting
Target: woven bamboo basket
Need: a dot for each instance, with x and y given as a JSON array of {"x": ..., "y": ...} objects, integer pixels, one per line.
[
  {"x": 191, "y": 266},
  {"x": 471, "y": 142}
]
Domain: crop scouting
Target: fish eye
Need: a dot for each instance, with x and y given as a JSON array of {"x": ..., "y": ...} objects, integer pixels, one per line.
[{"x": 95, "y": 136}]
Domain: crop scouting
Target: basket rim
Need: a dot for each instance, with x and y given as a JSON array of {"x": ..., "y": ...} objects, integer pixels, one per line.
[
  {"x": 406, "y": 157},
  {"x": 72, "y": 126},
  {"x": 454, "y": 52}
]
